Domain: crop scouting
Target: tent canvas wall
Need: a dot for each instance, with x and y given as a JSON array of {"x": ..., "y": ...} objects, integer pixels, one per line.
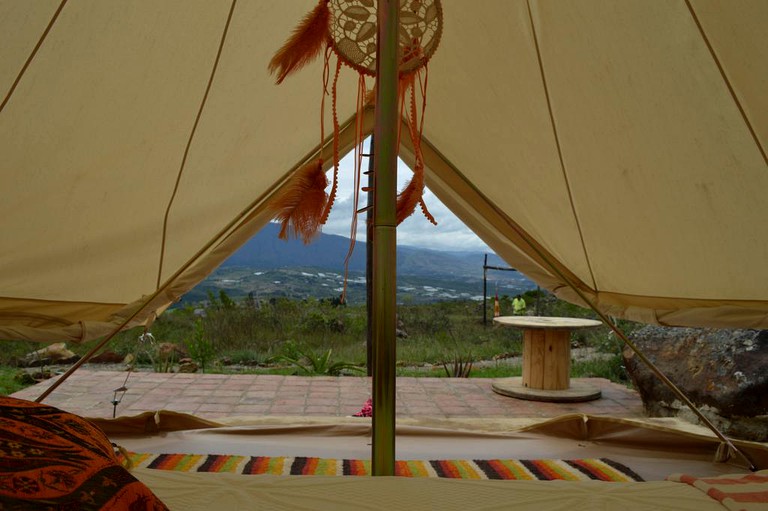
[
  {"x": 615, "y": 148},
  {"x": 620, "y": 143}
]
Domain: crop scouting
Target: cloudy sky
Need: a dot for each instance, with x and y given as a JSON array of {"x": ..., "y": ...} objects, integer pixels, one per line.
[{"x": 449, "y": 234}]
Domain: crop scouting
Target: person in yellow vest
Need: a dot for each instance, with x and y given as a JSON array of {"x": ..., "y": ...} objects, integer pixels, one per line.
[{"x": 518, "y": 306}]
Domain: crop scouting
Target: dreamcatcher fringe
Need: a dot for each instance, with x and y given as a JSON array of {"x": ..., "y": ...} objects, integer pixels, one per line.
[
  {"x": 335, "y": 117},
  {"x": 302, "y": 206},
  {"x": 413, "y": 192}
]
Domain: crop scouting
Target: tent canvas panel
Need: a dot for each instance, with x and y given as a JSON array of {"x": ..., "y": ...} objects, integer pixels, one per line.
[{"x": 624, "y": 141}]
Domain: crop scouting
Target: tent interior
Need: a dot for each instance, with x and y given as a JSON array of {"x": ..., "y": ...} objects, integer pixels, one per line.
[{"x": 614, "y": 152}]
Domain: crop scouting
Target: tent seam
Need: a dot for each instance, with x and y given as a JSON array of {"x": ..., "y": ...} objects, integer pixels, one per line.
[
  {"x": 142, "y": 304},
  {"x": 727, "y": 82},
  {"x": 32, "y": 55},
  {"x": 190, "y": 139},
  {"x": 674, "y": 388},
  {"x": 559, "y": 148},
  {"x": 540, "y": 255}
]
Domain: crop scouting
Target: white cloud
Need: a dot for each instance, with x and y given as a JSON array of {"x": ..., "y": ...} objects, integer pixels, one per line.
[{"x": 449, "y": 233}]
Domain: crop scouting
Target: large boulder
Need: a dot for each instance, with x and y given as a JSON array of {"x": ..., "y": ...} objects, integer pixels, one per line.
[
  {"x": 52, "y": 354},
  {"x": 107, "y": 357},
  {"x": 187, "y": 365},
  {"x": 723, "y": 372}
]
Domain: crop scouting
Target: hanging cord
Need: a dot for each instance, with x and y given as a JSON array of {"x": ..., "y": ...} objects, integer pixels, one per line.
[
  {"x": 145, "y": 339},
  {"x": 412, "y": 194},
  {"x": 326, "y": 77},
  {"x": 416, "y": 139},
  {"x": 334, "y": 113},
  {"x": 423, "y": 88},
  {"x": 720, "y": 456},
  {"x": 361, "y": 93},
  {"x": 676, "y": 390},
  {"x": 550, "y": 265},
  {"x": 126, "y": 456}
]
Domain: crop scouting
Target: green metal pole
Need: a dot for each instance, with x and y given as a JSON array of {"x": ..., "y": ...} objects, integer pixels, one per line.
[{"x": 385, "y": 239}]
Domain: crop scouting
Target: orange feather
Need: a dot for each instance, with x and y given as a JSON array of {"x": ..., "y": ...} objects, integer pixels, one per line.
[
  {"x": 409, "y": 197},
  {"x": 305, "y": 43},
  {"x": 299, "y": 206}
]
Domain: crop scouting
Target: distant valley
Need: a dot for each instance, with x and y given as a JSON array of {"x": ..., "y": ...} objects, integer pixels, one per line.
[{"x": 270, "y": 267}]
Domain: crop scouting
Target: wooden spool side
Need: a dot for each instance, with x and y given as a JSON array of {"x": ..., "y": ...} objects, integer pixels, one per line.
[{"x": 546, "y": 359}]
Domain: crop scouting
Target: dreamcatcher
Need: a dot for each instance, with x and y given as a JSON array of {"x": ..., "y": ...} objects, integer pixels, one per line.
[{"x": 347, "y": 29}]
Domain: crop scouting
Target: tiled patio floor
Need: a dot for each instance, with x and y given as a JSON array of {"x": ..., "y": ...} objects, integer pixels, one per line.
[{"x": 89, "y": 393}]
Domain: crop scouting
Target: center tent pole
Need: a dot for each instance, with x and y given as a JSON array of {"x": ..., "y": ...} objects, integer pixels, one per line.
[{"x": 385, "y": 239}]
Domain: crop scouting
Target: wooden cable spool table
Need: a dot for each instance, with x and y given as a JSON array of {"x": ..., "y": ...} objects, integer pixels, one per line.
[{"x": 546, "y": 360}]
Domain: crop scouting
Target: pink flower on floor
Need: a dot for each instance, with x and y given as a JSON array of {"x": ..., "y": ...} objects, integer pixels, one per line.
[{"x": 367, "y": 410}]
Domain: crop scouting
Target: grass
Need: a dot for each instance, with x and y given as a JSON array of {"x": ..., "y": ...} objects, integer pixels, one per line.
[
  {"x": 498, "y": 371},
  {"x": 8, "y": 382},
  {"x": 331, "y": 338},
  {"x": 609, "y": 368}
]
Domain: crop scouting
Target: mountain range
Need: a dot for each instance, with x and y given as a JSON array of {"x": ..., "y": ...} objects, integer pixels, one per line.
[{"x": 268, "y": 266}]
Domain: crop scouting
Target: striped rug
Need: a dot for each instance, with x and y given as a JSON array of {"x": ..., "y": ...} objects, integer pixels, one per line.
[{"x": 571, "y": 470}]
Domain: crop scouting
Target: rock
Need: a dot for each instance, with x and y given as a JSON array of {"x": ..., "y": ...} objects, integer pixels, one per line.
[
  {"x": 169, "y": 351},
  {"x": 107, "y": 357},
  {"x": 338, "y": 326},
  {"x": 187, "y": 365},
  {"x": 54, "y": 354},
  {"x": 723, "y": 372},
  {"x": 26, "y": 378},
  {"x": 400, "y": 332}
]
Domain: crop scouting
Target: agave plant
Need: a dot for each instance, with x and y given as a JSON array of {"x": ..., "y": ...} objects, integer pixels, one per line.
[
  {"x": 461, "y": 366},
  {"x": 311, "y": 363}
]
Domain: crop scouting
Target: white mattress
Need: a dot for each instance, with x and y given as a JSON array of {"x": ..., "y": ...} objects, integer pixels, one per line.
[{"x": 185, "y": 491}]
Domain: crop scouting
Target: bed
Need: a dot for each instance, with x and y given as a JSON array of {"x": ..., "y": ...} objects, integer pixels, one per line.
[{"x": 675, "y": 466}]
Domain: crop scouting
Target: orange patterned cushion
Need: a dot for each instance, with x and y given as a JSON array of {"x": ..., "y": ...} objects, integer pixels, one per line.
[{"x": 51, "y": 459}]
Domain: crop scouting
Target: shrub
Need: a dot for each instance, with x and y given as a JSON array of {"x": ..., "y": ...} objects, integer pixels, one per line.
[
  {"x": 200, "y": 347},
  {"x": 311, "y": 363}
]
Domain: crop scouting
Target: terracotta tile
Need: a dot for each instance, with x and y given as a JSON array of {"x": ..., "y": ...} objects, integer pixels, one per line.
[
  {"x": 226, "y": 393},
  {"x": 190, "y": 398},
  {"x": 330, "y": 409},
  {"x": 230, "y": 400},
  {"x": 181, "y": 408},
  {"x": 286, "y": 410},
  {"x": 234, "y": 385},
  {"x": 211, "y": 407},
  {"x": 89, "y": 393},
  {"x": 290, "y": 402},
  {"x": 254, "y": 409}
]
